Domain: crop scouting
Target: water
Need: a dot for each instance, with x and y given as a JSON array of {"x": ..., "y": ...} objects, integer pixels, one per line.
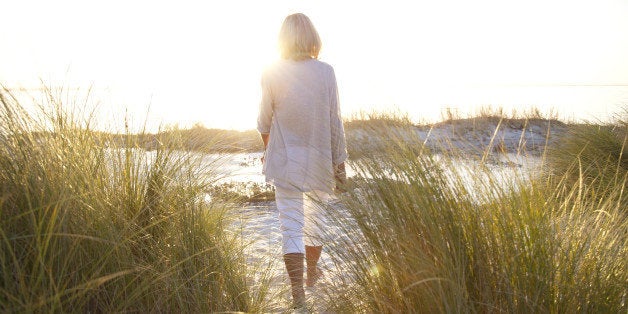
[{"x": 244, "y": 167}]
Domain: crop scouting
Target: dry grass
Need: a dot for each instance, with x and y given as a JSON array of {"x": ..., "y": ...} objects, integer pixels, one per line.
[
  {"x": 445, "y": 233},
  {"x": 87, "y": 225}
]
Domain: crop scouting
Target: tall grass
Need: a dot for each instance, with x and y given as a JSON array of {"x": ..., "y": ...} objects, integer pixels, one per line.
[
  {"x": 88, "y": 225},
  {"x": 445, "y": 233},
  {"x": 595, "y": 158}
]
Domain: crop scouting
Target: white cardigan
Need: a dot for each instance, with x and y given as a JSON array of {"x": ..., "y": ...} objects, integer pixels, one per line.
[{"x": 300, "y": 111}]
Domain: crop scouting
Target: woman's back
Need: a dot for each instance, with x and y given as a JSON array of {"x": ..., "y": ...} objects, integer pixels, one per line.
[{"x": 300, "y": 111}]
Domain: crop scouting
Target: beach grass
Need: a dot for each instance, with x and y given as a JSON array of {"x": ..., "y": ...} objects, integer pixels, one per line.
[
  {"x": 446, "y": 233},
  {"x": 594, "y": 157},
  {"x": 89, "y": 223}
]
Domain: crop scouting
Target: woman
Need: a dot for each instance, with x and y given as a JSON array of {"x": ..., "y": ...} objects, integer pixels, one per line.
[{"x": 304, "y": 142}]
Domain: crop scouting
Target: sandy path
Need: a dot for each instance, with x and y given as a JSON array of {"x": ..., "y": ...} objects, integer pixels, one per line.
[{"x": 258, "y": 226}]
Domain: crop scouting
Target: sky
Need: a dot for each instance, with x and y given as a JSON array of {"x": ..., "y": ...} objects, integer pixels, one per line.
[{"x": 187, "y": 62}]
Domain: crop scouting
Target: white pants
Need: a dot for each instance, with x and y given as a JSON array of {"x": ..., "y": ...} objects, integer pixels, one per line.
[{"x": 302, "y": 218}]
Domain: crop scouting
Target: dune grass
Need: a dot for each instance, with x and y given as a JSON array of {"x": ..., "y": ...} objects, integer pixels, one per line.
[
  {"x": 443, "y": 233},
  {"x": 595, "y": 158},
  {"x": 89, "y": 225}
]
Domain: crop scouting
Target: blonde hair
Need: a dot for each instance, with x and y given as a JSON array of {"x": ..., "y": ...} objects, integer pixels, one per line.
[{"x": 298, "y": 39}]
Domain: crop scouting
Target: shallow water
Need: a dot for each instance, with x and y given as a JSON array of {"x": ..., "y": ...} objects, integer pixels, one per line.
[{"x": 244, "y": 167}]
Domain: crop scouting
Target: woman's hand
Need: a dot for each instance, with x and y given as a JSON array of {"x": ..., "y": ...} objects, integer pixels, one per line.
[
  {"x": 265, "y": 138},
  {"x": 340, "y": 174}
]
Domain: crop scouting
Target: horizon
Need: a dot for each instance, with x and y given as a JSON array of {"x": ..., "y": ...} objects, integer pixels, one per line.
[{"x": 198, "y": 62}]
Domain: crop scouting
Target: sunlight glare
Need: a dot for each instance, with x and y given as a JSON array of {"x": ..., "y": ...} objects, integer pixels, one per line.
[{"x": 200, "y": 62}]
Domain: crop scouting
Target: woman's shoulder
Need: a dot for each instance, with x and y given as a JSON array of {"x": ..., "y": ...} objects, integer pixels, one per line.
[
  {"x": 276, "y": 67},
  {"x": 323, "y": 64},
  {"x": 281, "y": 63},
  {"x": 283, "y": 66},
  {"x": 270, "y": 71}
]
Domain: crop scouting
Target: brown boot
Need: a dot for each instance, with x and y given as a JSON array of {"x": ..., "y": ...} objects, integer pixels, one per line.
[
  {"x": 312, "y": 255},
  {"x": 294, "y": 266}
]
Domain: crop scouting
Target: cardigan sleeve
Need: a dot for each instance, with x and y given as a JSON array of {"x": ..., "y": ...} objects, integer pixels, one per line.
[
  {"x": 338, "y": 142},
  {"x": 265, "y": 115}
]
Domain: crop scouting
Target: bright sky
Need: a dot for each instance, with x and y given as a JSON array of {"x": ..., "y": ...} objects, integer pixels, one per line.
[{"x": 200, "y": 61}]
